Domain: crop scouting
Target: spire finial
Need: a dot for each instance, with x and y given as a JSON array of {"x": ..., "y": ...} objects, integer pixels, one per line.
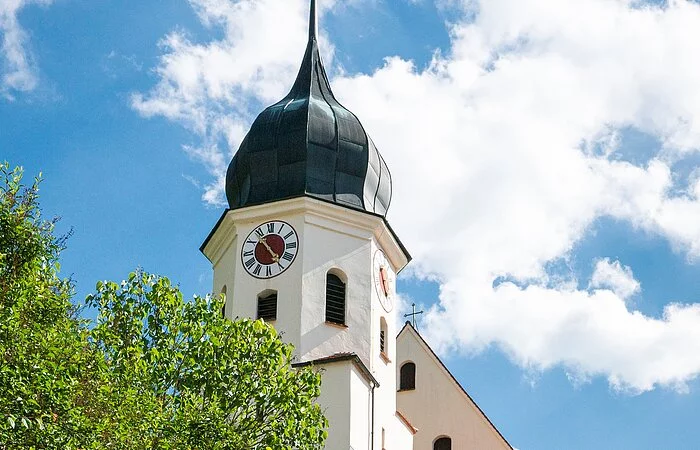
[{"x": 313, "y": 21}]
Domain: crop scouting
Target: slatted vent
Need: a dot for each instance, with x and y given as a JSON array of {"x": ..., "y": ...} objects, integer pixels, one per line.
[
  {"x": 335, "y": 299},
  {"x": 267, "y": 307},
  {"x": 383, "y": 344}
]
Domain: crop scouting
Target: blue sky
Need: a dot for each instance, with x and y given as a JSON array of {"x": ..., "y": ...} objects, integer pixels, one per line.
[{"x": 557, "y": 141}]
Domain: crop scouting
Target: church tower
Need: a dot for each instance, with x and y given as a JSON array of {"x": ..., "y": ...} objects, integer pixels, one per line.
[{"x": 305, "y": 245}]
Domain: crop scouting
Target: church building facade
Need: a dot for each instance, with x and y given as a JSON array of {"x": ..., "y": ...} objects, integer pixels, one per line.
[{"x": 305, "y": 246}]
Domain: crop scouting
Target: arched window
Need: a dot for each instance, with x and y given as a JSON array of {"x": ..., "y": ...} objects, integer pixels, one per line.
[
  {"x": 267, "y": 305},
  {"x": 335, "y": 299},
  {"x": 223, "y": 307},
  {"x": 444, "y": 443},
  {"x": 408, "y": 377},
  {"x": 383, "y": 342}
]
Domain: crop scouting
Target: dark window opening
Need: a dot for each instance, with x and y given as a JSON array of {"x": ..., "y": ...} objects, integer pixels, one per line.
[
  {"x": 443, "y": 443},
  {"x": 335, "y": 299},
  {"x": 408, "y": 377},
  {"x": 383, "y": 343},
  {"x": 267, "y": 307}
]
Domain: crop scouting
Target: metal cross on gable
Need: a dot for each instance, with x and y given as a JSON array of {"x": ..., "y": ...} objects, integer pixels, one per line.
[{"x": 413, "y": 315}]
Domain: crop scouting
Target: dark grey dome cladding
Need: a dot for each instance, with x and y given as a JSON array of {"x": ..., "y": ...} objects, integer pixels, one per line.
[{"x": 309, "y": 144}]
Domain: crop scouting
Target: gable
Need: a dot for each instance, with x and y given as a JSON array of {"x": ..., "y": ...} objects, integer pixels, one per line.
[{"x": 439, "y": 405}]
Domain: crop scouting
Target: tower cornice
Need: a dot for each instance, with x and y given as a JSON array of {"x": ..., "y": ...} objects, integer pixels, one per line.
[{"x": 322, "y": 213}]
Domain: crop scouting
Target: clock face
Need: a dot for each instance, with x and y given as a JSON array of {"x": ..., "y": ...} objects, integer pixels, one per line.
[
  {"x": 270, "y": 249},
  {"x": 383, "y": 280}
]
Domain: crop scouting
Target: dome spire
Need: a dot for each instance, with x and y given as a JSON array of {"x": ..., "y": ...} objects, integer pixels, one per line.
[
  {"x": 308, "y": 144},
  {"x": 313, "y": 21}
]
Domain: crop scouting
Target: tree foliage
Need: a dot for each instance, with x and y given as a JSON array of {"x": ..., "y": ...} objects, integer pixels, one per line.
[
  {"x": 153, "y": 371},
  {"x": 211, "y": 382},
  {"x": 45, "y": 356}
]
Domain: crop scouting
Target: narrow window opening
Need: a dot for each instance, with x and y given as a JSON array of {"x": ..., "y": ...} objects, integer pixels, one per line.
[
  {"x": 444, "y": 443},
  {"x": 267, "y": 306},
  {"x": 408, "y": 377},
  {"x": 223, "y": 307},
  {"x": 335, "y": 299},
  {"x": 383, "y": 342}
]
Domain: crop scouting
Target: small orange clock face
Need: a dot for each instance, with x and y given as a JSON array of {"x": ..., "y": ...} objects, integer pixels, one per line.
[
  {"x": 383, "y": 280},
  {"x": 270, "y": 249}
]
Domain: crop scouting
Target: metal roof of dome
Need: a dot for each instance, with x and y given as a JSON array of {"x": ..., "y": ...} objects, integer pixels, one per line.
[{"x": 309, "y": 144}]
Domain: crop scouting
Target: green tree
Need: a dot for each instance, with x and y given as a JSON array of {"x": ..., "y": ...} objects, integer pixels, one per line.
[
  {"x": 46, "y": 358},
  {"x": 218, "y": 384},
  {"x": 154, "y": 371}
]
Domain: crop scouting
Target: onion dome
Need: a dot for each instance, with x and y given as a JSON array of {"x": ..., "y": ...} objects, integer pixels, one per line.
[{"x": 308, "y": 144}]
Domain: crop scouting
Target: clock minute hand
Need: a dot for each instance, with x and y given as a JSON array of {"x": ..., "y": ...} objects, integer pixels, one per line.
[{"x": 275, "y": 256}]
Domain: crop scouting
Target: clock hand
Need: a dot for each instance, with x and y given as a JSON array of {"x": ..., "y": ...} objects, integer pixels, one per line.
[
  {"x": 275, "y": 256},
  {"x": 384, "y": 280}
]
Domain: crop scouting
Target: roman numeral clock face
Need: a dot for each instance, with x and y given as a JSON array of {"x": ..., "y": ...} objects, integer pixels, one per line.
[{"x": 270, "y": 249}]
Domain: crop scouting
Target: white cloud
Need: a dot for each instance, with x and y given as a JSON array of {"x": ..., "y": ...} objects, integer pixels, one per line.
[
  {"x": 615, "y": 277},
  {"x": 496, "y": 144},
  {"x": 209, "y": 87},
  {"x": 18, "y": 70}
]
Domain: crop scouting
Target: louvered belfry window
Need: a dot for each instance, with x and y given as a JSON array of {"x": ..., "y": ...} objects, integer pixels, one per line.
[
  {"x": 382, "y": 337},
  {"x": 267, "y": 307},
  {"x": 335, "y": 299}
]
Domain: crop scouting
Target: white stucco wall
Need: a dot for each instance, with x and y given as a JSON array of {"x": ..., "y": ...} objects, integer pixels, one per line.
[
  {"x": 438, "y": 406},
  {"x": 332, "y": 244},
  {"x": 243, "y": 289},
  {"x": 330, "y": 237},
  {"x": 335, "y": 401},
  {"x": 401, "y": 437},
  {"x": 360, "y": 411},
  {"x": 346, "y": 399}
]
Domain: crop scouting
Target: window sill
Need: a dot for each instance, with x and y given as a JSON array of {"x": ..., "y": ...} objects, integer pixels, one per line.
[
  {"x": 337, "y": 325},
  {"x": 406, "y": 390},
  {"x": 384, "y": 358}
]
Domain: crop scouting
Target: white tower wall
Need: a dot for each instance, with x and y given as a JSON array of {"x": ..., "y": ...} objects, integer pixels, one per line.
[{"x": 331, "y": 238}]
